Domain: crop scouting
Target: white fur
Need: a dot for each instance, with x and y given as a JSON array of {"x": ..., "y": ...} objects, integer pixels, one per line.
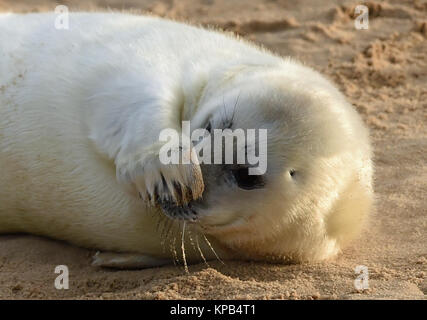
[{"x": 80, "y": 108}]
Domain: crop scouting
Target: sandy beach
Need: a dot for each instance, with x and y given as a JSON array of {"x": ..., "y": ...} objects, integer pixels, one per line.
[{"x": 382, "y": 71}]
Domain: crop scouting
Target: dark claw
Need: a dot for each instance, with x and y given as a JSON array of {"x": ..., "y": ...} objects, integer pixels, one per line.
[
  {"x": 178, "y": 192},
  {"x": 156, "y": 193},
  {"x": 165, "y": 185}
]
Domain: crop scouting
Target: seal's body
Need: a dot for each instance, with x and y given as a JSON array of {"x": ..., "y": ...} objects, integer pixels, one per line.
[{"x": 81, "y": 111}]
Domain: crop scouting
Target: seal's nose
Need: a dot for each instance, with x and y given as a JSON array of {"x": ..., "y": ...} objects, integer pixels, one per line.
[{"x": 178, "y": 212}]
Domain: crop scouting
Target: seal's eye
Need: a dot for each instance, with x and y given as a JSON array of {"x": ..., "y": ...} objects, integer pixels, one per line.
[
  {"x": 292, "y": 172},
  {"x": 246, "y": 181}
]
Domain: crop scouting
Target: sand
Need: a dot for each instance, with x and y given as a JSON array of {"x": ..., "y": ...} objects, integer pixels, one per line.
[{"x": 382, "y": 71}]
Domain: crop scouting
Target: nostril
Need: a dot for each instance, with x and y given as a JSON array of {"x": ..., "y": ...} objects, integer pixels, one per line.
[{"x": 180, "y": 212}]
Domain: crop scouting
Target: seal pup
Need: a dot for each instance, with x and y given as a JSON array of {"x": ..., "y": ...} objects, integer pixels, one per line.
[{"x": 81, "y": 111}]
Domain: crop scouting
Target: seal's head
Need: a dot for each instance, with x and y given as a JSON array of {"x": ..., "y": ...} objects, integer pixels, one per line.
[{"x": 313, "y": 191}]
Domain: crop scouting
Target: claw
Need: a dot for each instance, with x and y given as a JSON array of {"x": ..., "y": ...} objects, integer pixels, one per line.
[
  {"x": 156, "y": 182},
  {"x": 177, "y": 190}
]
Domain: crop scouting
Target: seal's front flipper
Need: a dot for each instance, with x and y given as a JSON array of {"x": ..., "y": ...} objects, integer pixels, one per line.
[
  {"x": 127, "y": 261},
  {"x": 155, "y": 179}
]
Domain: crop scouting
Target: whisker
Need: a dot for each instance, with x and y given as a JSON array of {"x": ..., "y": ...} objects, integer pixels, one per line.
[
  {"x": 183, "y": 247},
  {"x": 191, "y": 238},
  {"x": 196, "y": 247},
  {"x": 158, "y": 224},
  {"x": 172, "y": 227},
  {"x": 173, "y": 250},
  {"x": 214, "y": 252},
  {"x": 166, "y": 228},
  {"x": 234, "y": 108},
  {"x": 223, "y": 115},
  {"x": 163, "y": 237},
  {"x": 200, "y": 251}
]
